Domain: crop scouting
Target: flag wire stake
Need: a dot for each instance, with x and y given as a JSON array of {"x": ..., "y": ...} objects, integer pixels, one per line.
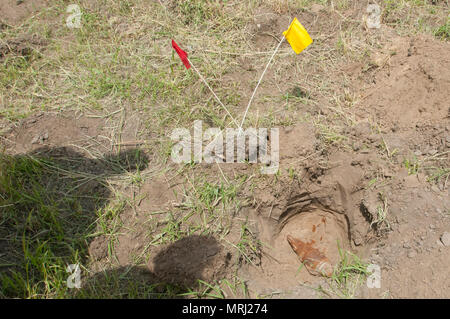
[
  {"x": 217, "y": 98},
  {"x": 220, "y": 102},
  {"x": 259, "y": 82}
]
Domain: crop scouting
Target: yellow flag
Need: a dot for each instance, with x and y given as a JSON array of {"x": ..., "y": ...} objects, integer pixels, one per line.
[{"x": 297, "y": 36}]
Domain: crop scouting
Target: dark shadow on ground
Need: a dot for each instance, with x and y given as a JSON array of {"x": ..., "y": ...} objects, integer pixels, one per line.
[
  {"x": 49, "y": 199},
  {"x": 174, "y": 272}
]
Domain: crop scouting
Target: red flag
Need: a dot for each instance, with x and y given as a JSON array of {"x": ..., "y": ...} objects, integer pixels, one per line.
[{"x": 181, "y": 54}]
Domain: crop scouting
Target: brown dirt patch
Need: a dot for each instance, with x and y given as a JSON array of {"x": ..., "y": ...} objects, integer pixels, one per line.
[
  {"x": 13, "y": 12},
  {"x": 54, "y": 130},
  {"x": 413, "y": 89}
]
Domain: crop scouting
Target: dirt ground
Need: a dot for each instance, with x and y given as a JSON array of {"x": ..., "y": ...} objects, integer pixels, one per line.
[{"x": 364, "y": 118}]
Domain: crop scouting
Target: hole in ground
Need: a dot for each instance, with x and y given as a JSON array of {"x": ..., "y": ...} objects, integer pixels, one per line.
[{"x": 316, "y": 234}]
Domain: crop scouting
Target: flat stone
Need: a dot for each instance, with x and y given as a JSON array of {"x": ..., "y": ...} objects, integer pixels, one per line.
[{"x": 445, "y": 238}]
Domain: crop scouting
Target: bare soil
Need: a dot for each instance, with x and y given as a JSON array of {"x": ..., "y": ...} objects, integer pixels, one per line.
[{"x": 13, "y": 12}]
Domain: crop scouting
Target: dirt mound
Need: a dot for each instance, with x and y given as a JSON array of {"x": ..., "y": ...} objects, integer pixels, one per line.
[{"x": 414, "y": 88}]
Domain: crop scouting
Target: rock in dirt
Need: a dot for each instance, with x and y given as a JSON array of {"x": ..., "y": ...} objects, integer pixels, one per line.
[
  {"x": 445, "y": 238},
  {"x": 372, "y": 19},
  {"x": 35, "y": 139}
]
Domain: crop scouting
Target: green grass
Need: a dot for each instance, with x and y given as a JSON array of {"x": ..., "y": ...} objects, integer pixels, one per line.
[
  {"x": 249, "y": 247},
  {"x": 226, "y": 288},
  {"x": 443, "y": 32},
  {"x": 438, "y": 174},
  {"x": 348, "y": 276},
  {"x": 44, "y": 231},
  {"x": 412, "y": 165},
  {"x": 207, "y": 210},
  {"x": 49, "y": 217},
  {"x": 414, "y": 16}
]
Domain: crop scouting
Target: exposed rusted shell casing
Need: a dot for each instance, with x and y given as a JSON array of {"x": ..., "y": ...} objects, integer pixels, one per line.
[{"x": 315, "y": 262}]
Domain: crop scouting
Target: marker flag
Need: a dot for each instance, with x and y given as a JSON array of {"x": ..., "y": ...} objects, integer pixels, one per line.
[
  {"x": 297, "y": 36},
  {"x": 183, "y": 55}
]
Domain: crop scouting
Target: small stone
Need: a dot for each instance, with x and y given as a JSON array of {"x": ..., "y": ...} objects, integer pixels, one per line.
[
  {"x": 418, "y": 153},
  {"x": 45, "y": 136},
  {"x": 412, "y": 254},
  {"x": 445, "y": 238},
  {"x": 373, "y": 11},
  {"x": 35, "y": 139},
  {"x": 406, "y": 245}
]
